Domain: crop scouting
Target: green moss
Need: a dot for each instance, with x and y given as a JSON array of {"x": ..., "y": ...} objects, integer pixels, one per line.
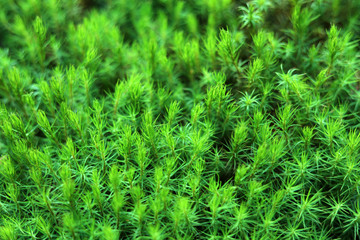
[{"x": 164, "y": 119}]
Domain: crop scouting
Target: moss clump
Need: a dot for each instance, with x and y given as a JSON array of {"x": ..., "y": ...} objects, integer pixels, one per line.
[{"x": 164, "y": 119}]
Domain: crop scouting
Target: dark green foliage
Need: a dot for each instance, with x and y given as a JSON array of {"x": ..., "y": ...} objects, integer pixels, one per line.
[{"x": 164, "y": 119}]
